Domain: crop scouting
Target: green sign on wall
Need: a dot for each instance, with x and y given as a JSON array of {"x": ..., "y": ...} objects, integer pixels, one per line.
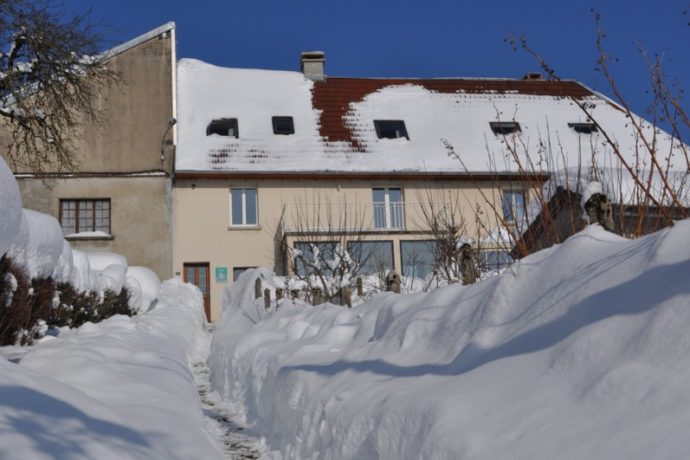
[{"x": 221, "y": 274}]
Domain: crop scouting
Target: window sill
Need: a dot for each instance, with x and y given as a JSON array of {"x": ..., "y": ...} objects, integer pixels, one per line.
[
  {"x": 389, "y": 229},
  {"x": 78, "y": 237},
  {"x": 244, "y": 227}
]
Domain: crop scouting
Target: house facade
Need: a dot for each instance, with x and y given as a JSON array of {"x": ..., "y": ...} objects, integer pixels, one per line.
[
  {"x": 119, "y": 197},
  {"x": 272, "y": 166}
]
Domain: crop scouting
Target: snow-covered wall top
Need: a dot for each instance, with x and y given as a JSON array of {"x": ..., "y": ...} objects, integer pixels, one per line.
[{"x": 334, "y": 123}]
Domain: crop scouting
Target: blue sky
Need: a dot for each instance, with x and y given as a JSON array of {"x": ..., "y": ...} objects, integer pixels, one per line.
[{"x": 417, "y": 39}]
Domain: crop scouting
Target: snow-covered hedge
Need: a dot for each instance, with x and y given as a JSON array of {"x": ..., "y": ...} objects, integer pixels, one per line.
[
  {"x": 577, "y": 351},
  {"x": 44, "y": 281},
  {"x": 120, "y": 389},
  {"x": 10, "y": 207}
]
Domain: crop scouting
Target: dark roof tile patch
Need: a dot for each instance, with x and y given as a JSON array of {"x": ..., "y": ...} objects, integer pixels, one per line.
[{"x": 334, "y": 95}]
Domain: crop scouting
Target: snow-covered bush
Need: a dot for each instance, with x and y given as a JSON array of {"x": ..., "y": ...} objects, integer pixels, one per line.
[
  {"x": 10, "y": 208},
  {"x": 43, "y": 282}
]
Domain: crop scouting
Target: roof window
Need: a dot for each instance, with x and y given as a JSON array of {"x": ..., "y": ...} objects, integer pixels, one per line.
[
  {"x": 283, "y": 125},
  {"x": 390, "y": 129},
  {"x": 583, "y": 128},
  {"x": 223, "y": 127},
  {"x": 505, "y": 127}
]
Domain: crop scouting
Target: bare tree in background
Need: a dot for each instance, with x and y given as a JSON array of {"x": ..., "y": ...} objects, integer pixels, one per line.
[
  {"x": 660, "y": 186},
  {"x": 328, "y": 252},
  {"x": 50, "y": 72},
  {"x": 659, "y": 173}
]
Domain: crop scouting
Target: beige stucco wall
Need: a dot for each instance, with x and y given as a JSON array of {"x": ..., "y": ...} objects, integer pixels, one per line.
[
  {"x": 202, "y": 230},
  {"x": 139, "y": 217}
]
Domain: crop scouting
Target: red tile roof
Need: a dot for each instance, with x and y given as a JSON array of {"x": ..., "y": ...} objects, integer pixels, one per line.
[{"x": 334, "y": 95}]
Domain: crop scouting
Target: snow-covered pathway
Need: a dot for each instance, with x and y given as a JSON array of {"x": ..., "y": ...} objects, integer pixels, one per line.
[{"x": 219, "y": 420}]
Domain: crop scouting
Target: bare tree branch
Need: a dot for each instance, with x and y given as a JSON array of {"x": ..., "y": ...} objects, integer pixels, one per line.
[{"x": 49, "y": 80}]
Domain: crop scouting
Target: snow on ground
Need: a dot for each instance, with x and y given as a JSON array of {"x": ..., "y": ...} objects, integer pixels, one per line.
[
  {"x": 220, "y": 419},
  {"x": 578, "y": 351},
  {"x": 119, "y": 389}
]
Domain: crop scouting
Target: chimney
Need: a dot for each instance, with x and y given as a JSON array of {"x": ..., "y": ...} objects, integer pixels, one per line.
[
  {"x": 312, "y": 64},
  {"x": 533, "y": 76}
]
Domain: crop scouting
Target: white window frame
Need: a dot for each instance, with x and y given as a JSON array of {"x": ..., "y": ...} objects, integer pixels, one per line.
[
  {"x": 522, "y": 217},
  {"x": 244, "y": 223},
  {"x": 388, "y": 224}
]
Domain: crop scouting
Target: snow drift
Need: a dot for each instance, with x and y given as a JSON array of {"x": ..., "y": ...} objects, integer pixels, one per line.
[
  {"x": 10, "y": 207},
  {"x": 578, "y": 351},
  {"x": 120, "y": 389}
]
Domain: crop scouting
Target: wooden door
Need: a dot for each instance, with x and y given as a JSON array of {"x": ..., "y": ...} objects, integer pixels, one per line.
[{"x": 199, "y": 275}]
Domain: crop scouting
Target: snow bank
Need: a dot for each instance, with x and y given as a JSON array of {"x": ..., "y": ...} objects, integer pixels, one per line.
[
  {"x": 578, "y": 351},
  {"x": 10, "y": 207},
  {"x": 39, "y": 244},
  {"x": 120, "y": 389},
  {"x": 83, "y": 279},
  {"x": 143, "y": 285}
]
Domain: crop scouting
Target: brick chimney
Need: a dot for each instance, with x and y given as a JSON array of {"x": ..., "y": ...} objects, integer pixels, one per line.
[{"x": 312, "y": 65}]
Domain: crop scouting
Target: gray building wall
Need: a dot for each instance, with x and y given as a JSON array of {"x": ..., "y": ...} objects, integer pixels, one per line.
[{"x": 119, "y": 158}]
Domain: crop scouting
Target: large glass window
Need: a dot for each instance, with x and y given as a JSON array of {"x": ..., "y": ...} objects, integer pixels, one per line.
[
  {"x": 243, "y": 207},
  {"x": 514, "y": 206},
  {"x": 389, "y": 210},
  {"x": 373, "y": 257},
  {"x": 81, "y": 216},
  {"x": 494, "y": 260},
  {"x": 310, "y": 256},
  {"x": 418, "y": 258}
]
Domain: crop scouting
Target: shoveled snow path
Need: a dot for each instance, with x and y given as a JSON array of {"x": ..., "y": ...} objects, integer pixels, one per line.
[{"x": 219, "y": 419}]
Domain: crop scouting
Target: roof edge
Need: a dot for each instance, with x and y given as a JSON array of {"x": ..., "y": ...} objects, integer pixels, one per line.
[
  {"x": 167, "y": 27},
  {"x": 328, "y": 175}
]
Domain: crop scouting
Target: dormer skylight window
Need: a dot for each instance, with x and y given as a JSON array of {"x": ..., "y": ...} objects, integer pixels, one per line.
[
  {"x": 223, "y": 127},
  {"x": 283, "y": 125},
  {"x": 504, "y": 128},
  {"x": 583, "y": 128},
  {"x": 390, "y": 129}
]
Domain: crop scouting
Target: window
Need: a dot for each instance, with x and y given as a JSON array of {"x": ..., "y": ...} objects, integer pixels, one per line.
[
  {"x": 389, "y": 209},
  {"x": 390, "y": 129},
  {"x": 81, "y": 216},
  {"x": 237, "y": 271},
  {"x": 417, "y": 258},
  {"x": 223, "y": 127},
  {"x": 283, "y": 125},
  {"x": 504, "y": 127},
  {"x": 583, "y": 128},
  {"x": 513, "y": 205},
  {"x": 243, "y": 207},
  {"x": 373, "y": 257},
  {"x": 494, "y": 260},
  {"x": 309, "y": 255}
]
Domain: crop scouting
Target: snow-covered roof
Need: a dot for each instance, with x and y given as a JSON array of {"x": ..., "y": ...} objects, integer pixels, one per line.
[{"x": 335, "y": 132}]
